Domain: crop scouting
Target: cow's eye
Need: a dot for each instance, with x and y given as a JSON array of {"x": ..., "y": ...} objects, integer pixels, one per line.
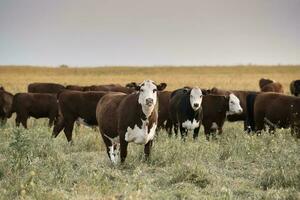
[
  {"x": 155, "y": 90},
  {"x": 141, "y": 90}
]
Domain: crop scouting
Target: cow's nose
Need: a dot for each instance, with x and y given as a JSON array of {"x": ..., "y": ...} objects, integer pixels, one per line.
[
  {"x": 149, "y": 101},
  {"x": 196, "y": 105}
]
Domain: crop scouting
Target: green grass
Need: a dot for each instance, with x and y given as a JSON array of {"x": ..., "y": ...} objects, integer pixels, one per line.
[{"x": 235, "y": 166}]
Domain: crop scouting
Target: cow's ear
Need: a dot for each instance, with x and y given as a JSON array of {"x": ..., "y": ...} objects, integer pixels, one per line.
[
  {"x": 132, "y": 85},
  {"x": 226, "y": 97},
  {"x": 205, "y": 92},
  {"x": 213, "y": 90},
  {"x": 161, "y": 86}
]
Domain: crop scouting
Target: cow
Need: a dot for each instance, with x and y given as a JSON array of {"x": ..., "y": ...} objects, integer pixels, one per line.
[
  {"x": 76, "y": 106},
  {"x": 186, "y": 111},
  {"x": 6, "y": 99},
  {"x": 295, "y": 87},
  {"x": 110, "y": 87},
  {"x": 242, "y": 95},
  {"x": 125, "y": 118},
  {"x": 37, "y": 105},
  {"x": 267, "y": 85},
  {"x": 163, "y": 110},
  {"x": 45, "y": 88},
  {"x": 275, "y": 110},
  {"x": 263, "y": 82},
  {"x": 215, "y": 108}
]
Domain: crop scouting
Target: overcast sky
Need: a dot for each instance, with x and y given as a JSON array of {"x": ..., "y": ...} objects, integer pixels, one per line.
[{"x": 149, "y": 32}]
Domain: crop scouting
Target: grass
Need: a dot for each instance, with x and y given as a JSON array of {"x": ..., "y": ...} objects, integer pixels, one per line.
[{"x": 235, "y": 166}]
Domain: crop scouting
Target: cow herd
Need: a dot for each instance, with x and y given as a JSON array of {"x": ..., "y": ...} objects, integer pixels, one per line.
[{"x": 133, "y": 113}]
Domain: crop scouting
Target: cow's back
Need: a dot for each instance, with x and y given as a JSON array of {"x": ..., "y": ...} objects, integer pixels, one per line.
[
  {"x": 45, "y": 88},
  {"x": 74, "y": 104}
]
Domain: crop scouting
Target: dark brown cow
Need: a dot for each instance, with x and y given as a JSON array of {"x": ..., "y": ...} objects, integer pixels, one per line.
[
  {"x": 110, "y": 87},
  {"x": 275, "y": 110},
  {"x": 6, "y": 100},
  {"x": 242, "y": 95},
  {"x": 37, "y": 105},
  {"x": 129, "y": 118},
  {"x": 163, "y": 109},
  {"x": 273, "y": 87},
  {"x": 45, "y": 88},
  {"x": 267, "y": 85},
  {"x": 215, "y": 109},
  {"x": 295, "y": 87},
  {"x": 76, "y": 106},
  {"x": 263, "y": 82}
]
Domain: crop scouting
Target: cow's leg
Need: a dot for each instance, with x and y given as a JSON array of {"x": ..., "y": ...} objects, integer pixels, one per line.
[
  {"x": 3, "y": 121},
  {"x": 220, "y": 130},
  {"x": 18, "y": 120},
  {"x": 207, "y": 131},
  {"x": 169, "y": 126},
  {"x": 68, "y": 130},
  {"x": 176, "y": 129},
  {"x": 24, "y": 121},
  {"x": 147, "y": 149},
  {"x": 183, "y": 132},
  {"x": 52, "y": 117},
  {"x": 111, "y": 149},
  {"x": 196, "y": 132},
  {"x": 123, "y": 149},
  {"x": 58, "y": 126}
]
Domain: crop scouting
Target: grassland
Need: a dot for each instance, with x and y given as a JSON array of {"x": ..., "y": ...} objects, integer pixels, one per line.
[{"x": 235, "y": 166}]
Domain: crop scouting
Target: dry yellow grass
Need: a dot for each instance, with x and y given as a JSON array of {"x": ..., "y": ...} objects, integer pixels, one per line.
[{"x": 16, "y": 79}]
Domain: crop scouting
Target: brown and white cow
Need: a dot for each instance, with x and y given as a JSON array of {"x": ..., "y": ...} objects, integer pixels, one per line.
[
  {"x": 37, "y": 105},
  {"x": 45, "y": 88},
  {"x": 76, "y": 106},
  {"x": 125, "y": 118},
  {"x": 275, "y": 110},
  {"x": 242, "y": 96},
  {"x": 109, "y": 87},
  {"x": 215, "y": 108},
  {"x": 6, "y": 99}
]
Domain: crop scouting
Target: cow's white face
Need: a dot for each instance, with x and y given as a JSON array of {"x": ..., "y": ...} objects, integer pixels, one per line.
[
  {"x": 196, "y": 98},
  {"x": 234, "y": 105},
  {"x": 147, "y": 96}
]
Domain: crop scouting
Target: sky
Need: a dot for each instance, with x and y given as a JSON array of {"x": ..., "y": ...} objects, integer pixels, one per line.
[{"x": 149, "y": 32}]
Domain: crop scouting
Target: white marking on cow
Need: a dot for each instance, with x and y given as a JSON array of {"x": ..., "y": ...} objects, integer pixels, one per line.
[
  {"x": 234, "y": 105},
  {"x": 196, "y": 98},
  {"x": 140, "y": 135},
  {"x": 114, "y": 141},
  {"x": 114, "y": 154},
  {"x": 80, "y": 120},
  {"x": 190, "y": 125},
  {"x": 214, "y": 125},
  {"x": 147, "y": 96}
]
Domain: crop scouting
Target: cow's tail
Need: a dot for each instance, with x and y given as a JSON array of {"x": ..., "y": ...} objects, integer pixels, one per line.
[{"x": 250, "y": 99}]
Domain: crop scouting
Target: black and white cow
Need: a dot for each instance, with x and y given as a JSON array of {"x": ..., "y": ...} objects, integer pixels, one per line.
[
  {"x": 186, "y": 111},
  {"x": 124, "y": 118}
]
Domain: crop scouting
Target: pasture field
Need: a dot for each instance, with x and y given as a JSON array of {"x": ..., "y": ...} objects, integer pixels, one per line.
[{"x": 234, "y": 166}]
